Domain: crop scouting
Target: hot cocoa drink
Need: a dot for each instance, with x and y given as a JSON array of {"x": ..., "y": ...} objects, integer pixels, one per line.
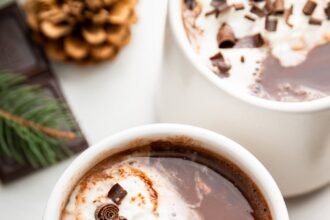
[
  {"x": 166, "y": 180},
  {"x": 273, "y": 49}
]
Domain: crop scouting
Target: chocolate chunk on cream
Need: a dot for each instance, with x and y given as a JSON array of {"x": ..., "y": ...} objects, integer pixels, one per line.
[{"x": 117, "y": 193}]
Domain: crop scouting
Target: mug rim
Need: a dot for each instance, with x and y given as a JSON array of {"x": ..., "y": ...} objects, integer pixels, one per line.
[
  {"x": 223, "y": 146},
  {"x": 177, "y": 27}
]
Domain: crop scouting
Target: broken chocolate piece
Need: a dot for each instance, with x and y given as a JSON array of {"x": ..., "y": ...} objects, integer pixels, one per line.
[
  {"x": 220, "y": 6},
  {"x": 117, "y": 193},
  {"x": 271, "y": 24},
  {"x": 315, "y": 21},
  {"x": 219, "y": 61},
  {"x": 218, "y": 3},
  {"x": 107, "y": 212},
  {"x": 255, "y": 9},
  {"x": 279, "y": 7},
  {"x": 226, "y": 37},
  {"x": 327, "y": 11},
  {"x": 252, "y": 41},
  {"x": 287, "y": 14},
  {"x": 190, "y": 4},
  {"x": 239, "y": 6},
  {"x": 249, "y": 17},
  {"x": 309, "y": 7},
  {"x": 268, "y": 8}
]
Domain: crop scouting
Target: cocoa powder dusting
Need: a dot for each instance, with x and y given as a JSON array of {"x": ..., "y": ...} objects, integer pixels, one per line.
[{"x": 149, "y": 184}]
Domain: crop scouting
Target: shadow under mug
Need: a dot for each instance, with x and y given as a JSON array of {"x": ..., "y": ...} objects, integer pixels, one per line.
[
  {"x": 208, "y": 140},
  {"x": 291, "y": 139}
]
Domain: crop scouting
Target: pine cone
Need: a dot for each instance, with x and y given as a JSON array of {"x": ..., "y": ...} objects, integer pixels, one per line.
[{"x": 83, "y": 31}]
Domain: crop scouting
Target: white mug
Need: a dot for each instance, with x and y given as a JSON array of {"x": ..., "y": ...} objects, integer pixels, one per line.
[
  {"x": 209, "y": 140},
  {"x": 291, "y": 139}
]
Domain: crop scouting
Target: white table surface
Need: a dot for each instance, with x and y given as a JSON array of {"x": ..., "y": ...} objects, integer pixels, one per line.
[{"x": 115, "y": 96}]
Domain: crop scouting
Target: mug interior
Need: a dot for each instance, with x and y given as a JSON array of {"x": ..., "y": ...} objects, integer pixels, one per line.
[
  {"x": 135, "y": 137},
  {"x": 176, "y": 24}
]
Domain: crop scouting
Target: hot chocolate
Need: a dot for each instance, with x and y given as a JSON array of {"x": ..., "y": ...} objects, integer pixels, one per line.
[
  {"x": 165, "y": 180},
  {"x": 273, "y": 49}
]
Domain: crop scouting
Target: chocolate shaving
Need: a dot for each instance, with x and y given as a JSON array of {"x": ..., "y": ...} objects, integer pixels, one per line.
[
  {"x": 107, "y": 212},
  {"x": 219, "y": 61},
  {"x": 117, "y": 193},
  {"x": 218, "y": 3},
  {"x": 287, "y": 14},
  {"x": 315, "y": 21},
  {"x": 327, "y": 11},
  {"x": 253, "y": 41},
  {"x": 255, "y": 9},
  {"x": 242, "y": 59},
  {"x": 220, "y": 6},
  {"x": 271, "y": 24},
  {"x": 268, "y": 8},
  {"x": 279, "y": 7},
  {"x": 309, "y": 7},
  {"x": 239, "y": 6},
  {"x": 214, "y": 11},
  {"x": 190, "y": 4},
  {"x": 249, "y": 17},
  {"x": 226, "y": 37}
]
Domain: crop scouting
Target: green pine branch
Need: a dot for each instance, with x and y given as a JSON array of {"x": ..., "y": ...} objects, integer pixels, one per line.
[{"x": 34, "y": 127}]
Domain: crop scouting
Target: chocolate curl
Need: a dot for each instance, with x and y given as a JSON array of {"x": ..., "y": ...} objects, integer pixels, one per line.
[
  {"x": 271, "y": 24},
  {"x": 253, "y": 41},
  {"x": 226, "y": 37},
  {"x": 309, "y": 7},
  {"x": 279, "y": 7},
  {"x": 287, "y": 14},
  {"x": 219, "y": 61},
  {"x": 107, "y": 212}
]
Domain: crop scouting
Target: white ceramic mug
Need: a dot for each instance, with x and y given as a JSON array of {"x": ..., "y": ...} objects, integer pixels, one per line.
[
  {"x": 291, "y": 139},
  {"x": 210, "y": 140}
]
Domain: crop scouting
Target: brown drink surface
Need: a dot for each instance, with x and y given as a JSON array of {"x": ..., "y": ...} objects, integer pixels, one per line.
[
  {"x": 191, "y": 184},
  {"x": 313, "y": 73}
]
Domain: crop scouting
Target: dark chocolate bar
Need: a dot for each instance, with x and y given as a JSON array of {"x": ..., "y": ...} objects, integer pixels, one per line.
[{"x": 18, "y": 53}]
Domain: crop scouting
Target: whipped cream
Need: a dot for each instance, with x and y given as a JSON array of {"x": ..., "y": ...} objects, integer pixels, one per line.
[
  {"x": 289, "y": 45},
  {"x": 150, "y": 195}
]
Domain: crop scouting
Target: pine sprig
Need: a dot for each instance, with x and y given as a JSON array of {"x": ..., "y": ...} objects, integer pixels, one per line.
[{"x": 34, "y": 127}]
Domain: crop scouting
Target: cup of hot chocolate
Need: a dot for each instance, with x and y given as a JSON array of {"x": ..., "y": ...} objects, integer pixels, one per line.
[
  {"x": 257, "y": 72},
  {"x": 166, "y": 171}
]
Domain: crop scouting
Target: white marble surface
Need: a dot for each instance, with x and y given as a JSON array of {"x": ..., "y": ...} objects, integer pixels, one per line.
[{"x": 115, "y": 96}]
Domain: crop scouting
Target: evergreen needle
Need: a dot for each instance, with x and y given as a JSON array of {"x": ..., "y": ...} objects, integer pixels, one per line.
[{"x": 34, "y": 127}]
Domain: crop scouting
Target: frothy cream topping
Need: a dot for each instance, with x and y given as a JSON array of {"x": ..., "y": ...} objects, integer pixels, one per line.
[
  {"x": 150, "y": 195},
  {"x": 290, "y": 45}
]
